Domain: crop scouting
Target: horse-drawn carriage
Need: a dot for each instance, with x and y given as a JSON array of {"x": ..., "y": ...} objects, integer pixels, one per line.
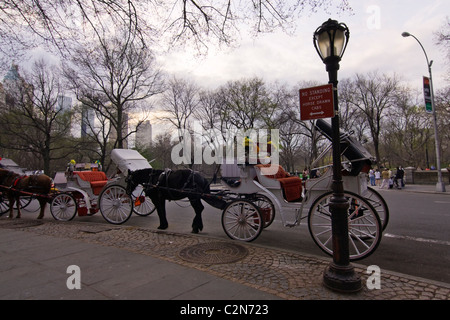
[
  {"x": 88, "y": 191},
  {"x": 290, "y": 197},
  {"x": 253, "y": 194}
]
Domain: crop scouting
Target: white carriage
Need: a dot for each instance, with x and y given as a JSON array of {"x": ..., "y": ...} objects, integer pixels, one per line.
[
  {"x": 88, "y": 191},
  {"x": 265, "y": 190}
]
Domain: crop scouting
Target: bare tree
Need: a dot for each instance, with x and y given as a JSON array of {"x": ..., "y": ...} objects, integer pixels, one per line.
[
  {"x": 374, "y": 95},
  {"x": 244, "y": 102},
  {"x": 352, "y": 119},
  {"x": 442, "y": 39},
  {"x": 407, "y": 132},
  {"x": 32, "y": 121},
  {"x": 179, "y": 102},
  {"x": 60, "y": 23},
  {"x": 113, "y": 77}
]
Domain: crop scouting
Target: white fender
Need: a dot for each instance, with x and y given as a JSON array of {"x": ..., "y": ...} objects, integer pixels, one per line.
[{"x": 87, "y": 200}]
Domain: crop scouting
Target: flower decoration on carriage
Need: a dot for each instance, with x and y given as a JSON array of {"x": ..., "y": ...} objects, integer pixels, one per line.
[{"x": 98, "y": 166}]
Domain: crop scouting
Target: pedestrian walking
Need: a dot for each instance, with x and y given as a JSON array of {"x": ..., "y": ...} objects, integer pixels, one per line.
[
  {"x": 398, "y": 180},
  {"x": 372, "y": 177},
  {"x": 385, "y": 176},
  {"x": 377, "y": 177}
]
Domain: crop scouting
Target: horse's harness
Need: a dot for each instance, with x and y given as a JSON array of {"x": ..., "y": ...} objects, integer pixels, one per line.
[
  {"x": 12, "y": 179},
  {"x": 164, "y": 177}
]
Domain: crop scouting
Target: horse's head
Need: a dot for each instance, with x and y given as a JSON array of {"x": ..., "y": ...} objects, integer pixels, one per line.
[
  {"x": 136, "y": 178},
  {"x": 6, "y": 176}
]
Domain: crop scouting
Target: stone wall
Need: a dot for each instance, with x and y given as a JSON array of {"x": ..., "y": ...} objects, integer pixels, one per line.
[{"x": 413, "y": 176}]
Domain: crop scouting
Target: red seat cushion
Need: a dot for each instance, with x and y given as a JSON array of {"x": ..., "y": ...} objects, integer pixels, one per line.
[
  {"x": 97, "y": 179},
  {"x": 291, "y": 185}
]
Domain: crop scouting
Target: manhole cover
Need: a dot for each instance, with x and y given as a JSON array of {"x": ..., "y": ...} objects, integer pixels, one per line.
[
  {"x": 214, "y": 253},
  {"x": 18, "y": 223}
]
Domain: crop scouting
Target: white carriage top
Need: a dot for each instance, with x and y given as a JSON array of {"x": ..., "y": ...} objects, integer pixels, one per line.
[{"x": 127, "y": 159}]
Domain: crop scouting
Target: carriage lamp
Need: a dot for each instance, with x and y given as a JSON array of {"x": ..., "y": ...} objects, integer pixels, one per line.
[{"x": 330, "y": 41}]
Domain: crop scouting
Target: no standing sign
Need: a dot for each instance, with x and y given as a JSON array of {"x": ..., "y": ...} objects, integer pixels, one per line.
[{"x": 317, "y": 102}]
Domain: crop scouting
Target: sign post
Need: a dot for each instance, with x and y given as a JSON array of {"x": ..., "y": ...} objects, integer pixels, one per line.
[
  {"x": 427, "y": 95},
  {"x": 317, "y": 102}
]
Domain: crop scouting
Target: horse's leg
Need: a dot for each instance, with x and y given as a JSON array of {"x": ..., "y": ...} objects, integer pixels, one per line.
[
  {"x": 42, "y": 203},
  {"x": 18, "y": 207},
  {"x": 197, "y": 224},
  {"x": 161, "y": 209},
  {"x": 11, "y": 206}
]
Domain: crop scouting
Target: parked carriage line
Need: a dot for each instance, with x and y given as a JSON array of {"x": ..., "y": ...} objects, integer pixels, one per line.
[{"x": 249, "y": 197}]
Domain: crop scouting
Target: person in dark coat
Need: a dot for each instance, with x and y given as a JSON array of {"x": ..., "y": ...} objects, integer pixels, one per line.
[{"x": 398, "y": 181}]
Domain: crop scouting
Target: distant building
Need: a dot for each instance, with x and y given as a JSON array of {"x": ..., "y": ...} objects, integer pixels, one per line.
[
  {"x": 64, "y": 103},
  {"x": 87, "y": 121},
  {"x": 13, "y": 74},
  {"x": 144, "y": 135},
  {"x": 15, "y": 88}
]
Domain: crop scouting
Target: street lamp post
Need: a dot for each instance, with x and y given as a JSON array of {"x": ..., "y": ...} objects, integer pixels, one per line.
[
  {"x": 330, "y": 41},
  {"x": 440, "y": 186}
]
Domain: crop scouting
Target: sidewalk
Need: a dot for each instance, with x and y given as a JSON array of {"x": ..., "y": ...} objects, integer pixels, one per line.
[
  {"x": 422, "y": 188},
  {"x": 120, "y": 262}
]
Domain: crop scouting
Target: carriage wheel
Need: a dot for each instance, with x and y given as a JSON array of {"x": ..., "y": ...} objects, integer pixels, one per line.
[
  {"x": 24, "y": 202},
  {"x": 380, "y": 205},
  {"x": 143, "y": 206},
  {"x": 364, "y": 225},
  {"x": 63, "y": 207},
  {"x": 241, "y": 220},
  {"x": 115, "y": 204},
  {"x": 266, "y": 208},
  {"x": 4, "y": 203}
]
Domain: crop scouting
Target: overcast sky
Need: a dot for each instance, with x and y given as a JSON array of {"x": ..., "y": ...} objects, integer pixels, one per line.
[{"x": 375, "y": 44}]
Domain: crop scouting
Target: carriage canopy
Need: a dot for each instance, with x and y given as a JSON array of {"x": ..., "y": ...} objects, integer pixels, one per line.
[
  {"x": 351, "y": 148},
  {"x": 129, "y": 159}
]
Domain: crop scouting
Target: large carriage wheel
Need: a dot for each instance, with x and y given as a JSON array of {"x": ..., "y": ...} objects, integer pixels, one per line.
[
  {"x": 63, "y": 207},
  {"x": 241, "y": 220},
  {"x": 364, "y": 225},
  {"x": 143, "y": 206},
  {"x": 115, "y": 204},
  {"x": 380, "y": 205}
]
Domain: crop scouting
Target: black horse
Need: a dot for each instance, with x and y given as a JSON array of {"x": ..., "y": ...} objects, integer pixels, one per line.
[{"x": 162, "y": 185}]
